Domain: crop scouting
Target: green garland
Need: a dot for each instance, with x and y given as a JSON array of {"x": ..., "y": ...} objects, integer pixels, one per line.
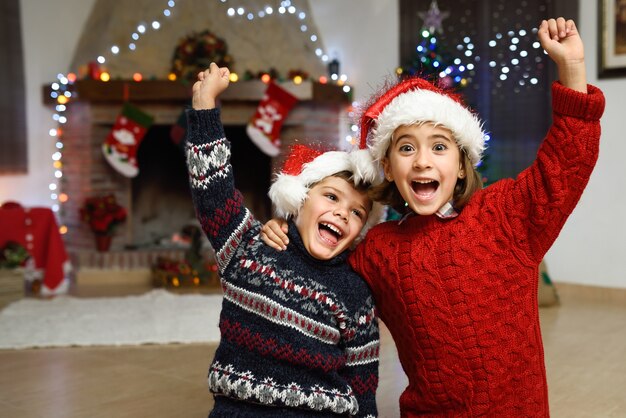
[{"x": 196, "y": 51}]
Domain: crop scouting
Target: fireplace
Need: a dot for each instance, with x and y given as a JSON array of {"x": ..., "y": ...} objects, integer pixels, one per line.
[
  {"x": 161, "y": 198},
  {"x": 158, "y": 198}
]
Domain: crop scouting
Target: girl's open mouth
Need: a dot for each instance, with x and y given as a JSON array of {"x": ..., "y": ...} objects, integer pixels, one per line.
[{"x": 424, "y": 188}]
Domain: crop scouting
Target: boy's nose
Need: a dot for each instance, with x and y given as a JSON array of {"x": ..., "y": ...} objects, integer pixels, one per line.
[{"x": 341, "y": 212}]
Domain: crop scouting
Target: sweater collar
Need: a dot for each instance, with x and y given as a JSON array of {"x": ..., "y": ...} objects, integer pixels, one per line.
[
  {"x": 447, "y": 211},
  {"x": 295, "y": 240}
]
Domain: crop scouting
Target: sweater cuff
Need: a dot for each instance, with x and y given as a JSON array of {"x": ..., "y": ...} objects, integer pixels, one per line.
[
  {"x": 568, "y": 102},
  {"x": 204, "y": 125}
]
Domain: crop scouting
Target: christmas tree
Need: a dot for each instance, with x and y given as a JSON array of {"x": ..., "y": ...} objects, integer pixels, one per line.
[{"x": 432, "y": 58}]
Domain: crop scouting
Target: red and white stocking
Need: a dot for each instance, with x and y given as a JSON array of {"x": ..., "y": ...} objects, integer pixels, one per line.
[
  {"x": 120, "y": 146},
  {"x": 264, "y": 127}
]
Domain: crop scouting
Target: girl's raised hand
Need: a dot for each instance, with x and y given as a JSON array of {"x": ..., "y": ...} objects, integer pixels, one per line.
[{"x": 561, "y": 40}]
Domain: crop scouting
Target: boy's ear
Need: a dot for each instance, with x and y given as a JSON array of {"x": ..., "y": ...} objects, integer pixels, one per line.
[{"x": 386, "y": 169}]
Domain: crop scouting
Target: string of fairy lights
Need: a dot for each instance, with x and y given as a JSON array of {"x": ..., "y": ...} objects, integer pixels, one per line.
[
  {"x": 62, "y": 94},
  {"x": 461, "y": 71}
]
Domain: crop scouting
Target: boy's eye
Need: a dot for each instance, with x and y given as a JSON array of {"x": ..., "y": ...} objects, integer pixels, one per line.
[
  {"x": 331, "y": 196},
  {"x": 440, "y": 147},
  {"x": 358, "y": 213},
  {"x": 405, "y": 148}
]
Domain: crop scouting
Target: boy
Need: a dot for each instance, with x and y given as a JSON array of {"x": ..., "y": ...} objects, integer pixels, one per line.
[{"x": 298, "y": 333}]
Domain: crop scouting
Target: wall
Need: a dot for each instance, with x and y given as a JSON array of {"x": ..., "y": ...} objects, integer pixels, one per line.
[
  {"x": 50, "y": 31},
  {"x": 589, "y": 248}
]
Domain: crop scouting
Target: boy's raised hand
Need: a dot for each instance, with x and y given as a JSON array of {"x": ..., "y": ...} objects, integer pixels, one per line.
[
  {"x": 561, "y": 40},
  {"x": 211, "y": 83}
]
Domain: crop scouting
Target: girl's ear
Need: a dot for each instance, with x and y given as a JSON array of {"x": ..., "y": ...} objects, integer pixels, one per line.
[
  {"x": 461, "y": 174},
  {"x": 386, "y": 169}
]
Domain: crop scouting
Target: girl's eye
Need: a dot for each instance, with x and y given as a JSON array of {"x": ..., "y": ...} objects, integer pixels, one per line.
[
  {"x": 440, "y": 147},
  {"x": 358, "y": 213},
  {"x": 331, "y": 196},
  {"x": 405, "y": 148}
]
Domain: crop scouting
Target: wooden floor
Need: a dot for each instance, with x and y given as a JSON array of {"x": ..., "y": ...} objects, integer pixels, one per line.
[{"x": 585, "y": 345}]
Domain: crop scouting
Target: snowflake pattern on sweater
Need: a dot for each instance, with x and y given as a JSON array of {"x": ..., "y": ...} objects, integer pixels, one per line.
[
  {"x": 296, "y": 332},
  {"x": 459, "y": 295}
]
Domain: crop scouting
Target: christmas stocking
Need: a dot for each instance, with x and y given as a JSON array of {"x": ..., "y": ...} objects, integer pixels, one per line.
[
  {"x": 120, "y": 146},
  {"x": 179, "y": 130},
  {"x": 264, "y": 127}
]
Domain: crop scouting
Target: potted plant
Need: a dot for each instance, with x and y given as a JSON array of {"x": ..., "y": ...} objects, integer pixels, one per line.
[
  {"x": 13, "y": 257},
  {"x": 103, "y": 214}
]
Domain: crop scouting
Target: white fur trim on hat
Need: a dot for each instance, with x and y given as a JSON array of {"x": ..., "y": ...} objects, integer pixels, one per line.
[
  {"x": 288, "y": 192},
  {"x": 423, "y": 105}
]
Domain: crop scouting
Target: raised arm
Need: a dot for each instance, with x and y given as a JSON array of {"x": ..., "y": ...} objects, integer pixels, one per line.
[
  {"x": 219, "y": 205},
  {"x": 543, "y": 196}
]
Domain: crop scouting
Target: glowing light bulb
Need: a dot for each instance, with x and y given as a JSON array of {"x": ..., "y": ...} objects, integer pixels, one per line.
[
  {"x": 297, "y": 79},
  {"x": 171, "y": 77},
  {"x": 137, "y": 77},
  {"x": 266, "y": 78},
  {"x": 105, "y": 76},
  {"x": 233, "y": 77}
]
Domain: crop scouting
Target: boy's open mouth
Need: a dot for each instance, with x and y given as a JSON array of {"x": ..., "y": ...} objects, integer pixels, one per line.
[
  {"x": 329, "y": 232},
  {"x": 424, "y": 188}
]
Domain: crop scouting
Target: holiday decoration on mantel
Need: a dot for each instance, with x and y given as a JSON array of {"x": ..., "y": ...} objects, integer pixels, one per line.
[
  {"x": 196, "y": 51},
  {"x": 264, "y": 127},
  {"x": 120, "y": 146}
]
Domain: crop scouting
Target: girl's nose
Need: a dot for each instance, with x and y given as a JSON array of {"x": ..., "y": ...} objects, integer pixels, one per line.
[{"x": 422, "y": 160}]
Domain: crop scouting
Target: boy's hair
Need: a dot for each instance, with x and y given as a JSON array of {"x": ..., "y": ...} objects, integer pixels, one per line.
[
  {"x": 361, "y": 187},
  {"x": 387, "y": 193}
]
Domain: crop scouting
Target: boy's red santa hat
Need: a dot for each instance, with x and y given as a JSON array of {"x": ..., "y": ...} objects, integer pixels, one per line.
[
  {"x": 305, "y": 166},
  {"x": 416, "y": 100}
]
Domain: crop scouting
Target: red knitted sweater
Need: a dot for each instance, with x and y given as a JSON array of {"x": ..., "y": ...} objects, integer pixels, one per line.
[{"x": 460, "y": 295}]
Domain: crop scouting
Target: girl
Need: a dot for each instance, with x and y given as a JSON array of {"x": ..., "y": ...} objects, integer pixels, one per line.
[{"x": 455, "y": 280}]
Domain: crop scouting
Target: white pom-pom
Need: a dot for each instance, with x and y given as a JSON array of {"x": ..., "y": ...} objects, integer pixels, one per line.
[
  {"x": 287, "y": 193},
  {"x": 363, "y": 167}
]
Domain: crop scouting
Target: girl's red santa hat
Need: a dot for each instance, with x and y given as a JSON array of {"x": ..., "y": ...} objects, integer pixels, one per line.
[
  {"x": 416, "y": 100},
  {"x": 305, "y": 166}
]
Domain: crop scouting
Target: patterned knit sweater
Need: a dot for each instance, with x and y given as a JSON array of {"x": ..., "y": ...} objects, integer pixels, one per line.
[
  {"x": 460, "y": 295},
  {"x": 298, "y": 335}
]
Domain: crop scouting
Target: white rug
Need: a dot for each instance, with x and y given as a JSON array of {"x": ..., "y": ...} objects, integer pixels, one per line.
[{"x": 156, "y": 317}]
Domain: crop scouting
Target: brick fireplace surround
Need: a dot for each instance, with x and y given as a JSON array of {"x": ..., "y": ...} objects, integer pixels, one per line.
[{"x": 319, "y": 116}]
